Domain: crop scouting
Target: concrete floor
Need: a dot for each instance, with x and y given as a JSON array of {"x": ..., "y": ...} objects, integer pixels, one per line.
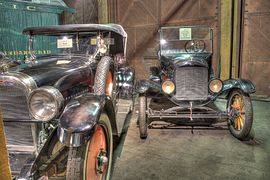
[{"x": 206, "y": 154}]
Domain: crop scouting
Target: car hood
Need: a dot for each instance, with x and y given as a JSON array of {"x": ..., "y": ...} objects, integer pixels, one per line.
[
  {"x": 49, "y": 70},
  {"x": 189, "y": 59}
]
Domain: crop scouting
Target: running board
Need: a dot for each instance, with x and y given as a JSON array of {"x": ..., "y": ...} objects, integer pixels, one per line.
[
  {"x": 193, "y": 116},
  {"x": 158, "y": 115},
  {"x": 124, "y": 107}
]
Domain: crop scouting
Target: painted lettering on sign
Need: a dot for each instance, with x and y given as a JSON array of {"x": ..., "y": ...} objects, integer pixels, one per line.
[{"x": 23, "y": 52}]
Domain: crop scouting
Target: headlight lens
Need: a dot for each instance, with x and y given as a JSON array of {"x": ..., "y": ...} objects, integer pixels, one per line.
[
  {"x": 168, "y": 87},
  {"x": 215, "y": 85},
  {"x": 45, "y": 103}
]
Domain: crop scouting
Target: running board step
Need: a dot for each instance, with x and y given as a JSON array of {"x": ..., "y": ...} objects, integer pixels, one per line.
[{"x": 124, "y": 107}]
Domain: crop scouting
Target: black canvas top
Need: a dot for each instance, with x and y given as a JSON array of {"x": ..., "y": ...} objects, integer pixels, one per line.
[{"x": 69, "y": 28}]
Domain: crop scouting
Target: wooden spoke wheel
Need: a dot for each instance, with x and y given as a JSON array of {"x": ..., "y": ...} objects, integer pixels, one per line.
[
  {"x": 241, "y": 115},
  {"x": 92, "y": 161},
  {"x": 143, "y": 125}
]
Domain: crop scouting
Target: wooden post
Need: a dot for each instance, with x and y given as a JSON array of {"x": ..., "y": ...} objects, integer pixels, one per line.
[
  {"x": 226, "y": 9},
  {"x": 4, "y": 163},
  {"x": 236, "y": 38},
  {"x": 103, "y": 12}
]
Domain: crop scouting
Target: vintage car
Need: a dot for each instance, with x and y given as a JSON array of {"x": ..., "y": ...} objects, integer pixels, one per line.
[
  {"x": 63, "y": 111},
  {"x": 183, "y": 88}
]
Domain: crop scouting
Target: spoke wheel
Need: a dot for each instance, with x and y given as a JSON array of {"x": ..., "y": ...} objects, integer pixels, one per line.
[
  {"x": 196, "y": 46},
  {"x": 92, "y": 161},
  {"x": 143, "y": 125},
  {"x": 241, "y": 115}
]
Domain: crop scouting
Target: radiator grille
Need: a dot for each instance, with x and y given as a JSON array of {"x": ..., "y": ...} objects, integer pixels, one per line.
[
  {"x": 13, "y": 104},
  {"x": 191, "y": 83}
]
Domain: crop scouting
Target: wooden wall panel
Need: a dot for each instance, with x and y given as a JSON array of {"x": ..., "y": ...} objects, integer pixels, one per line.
[
  {"x": 90, "y": 11},
  {"x": 255, "y": 59},
  {"x": 258, "y": 6},
  {"x": 142, "y": 19},
  {"x": 86, "y": 12},
  {"x": 189, "y": 10}
]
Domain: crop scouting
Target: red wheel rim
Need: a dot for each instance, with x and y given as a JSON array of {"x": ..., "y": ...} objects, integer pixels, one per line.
[
  {"x": 98, "y": 144},
  {"x": 109, "y": 84}
]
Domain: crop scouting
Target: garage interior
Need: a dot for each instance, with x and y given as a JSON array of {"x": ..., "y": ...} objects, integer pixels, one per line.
[{"x": 240, "y": 50}]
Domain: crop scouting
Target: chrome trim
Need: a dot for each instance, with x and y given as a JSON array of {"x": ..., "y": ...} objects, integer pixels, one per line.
[
  {"x": 192, "y": 61},
  {"x": 21, "y": 80},
  {"x": 57, "y": 96},
  {"x": 72, "y": 139}
]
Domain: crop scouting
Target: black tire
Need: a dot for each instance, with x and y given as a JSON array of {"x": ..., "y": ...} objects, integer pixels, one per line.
[
  {"x": 77, "y": 157},
  {"x": 241, "y": 122},
  {"x": 143, "y": 125},
  {"x": 101, "y": 75}
]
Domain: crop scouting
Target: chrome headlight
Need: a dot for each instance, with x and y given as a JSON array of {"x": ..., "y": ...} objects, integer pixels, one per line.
[
  {"x": 45, "y": 103},
  {"x": 168, "y": 87},
  {"x": 215, "y": 85}
]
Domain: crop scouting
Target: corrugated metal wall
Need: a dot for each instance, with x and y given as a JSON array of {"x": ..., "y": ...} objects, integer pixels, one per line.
[
  {"x": 142, "y": 19},
  {"x": 14, "y": 17},
  {"x": 255, "y": 55}
]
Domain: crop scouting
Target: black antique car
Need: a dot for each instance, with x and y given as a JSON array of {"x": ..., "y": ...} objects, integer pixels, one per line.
[
  {"x": 183, "y": 88},
  {"x": 64, "y": 110}
]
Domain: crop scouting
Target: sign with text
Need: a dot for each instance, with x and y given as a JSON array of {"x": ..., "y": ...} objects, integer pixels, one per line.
[{"x": 185, "y": 34}]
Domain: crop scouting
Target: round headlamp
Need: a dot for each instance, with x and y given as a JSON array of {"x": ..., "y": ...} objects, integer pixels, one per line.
[
  {"x": 168, "y": 87},
  {"x": 215, "y": 85},
  {"x": 45, "y": 103}
]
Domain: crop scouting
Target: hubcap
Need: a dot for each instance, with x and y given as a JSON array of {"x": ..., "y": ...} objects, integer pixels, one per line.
[
  {"x": 102, "y": 161},
  {"x": 237, "y": 112}
]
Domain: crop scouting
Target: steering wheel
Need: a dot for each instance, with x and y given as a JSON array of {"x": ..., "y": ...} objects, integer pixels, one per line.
[{"x": 196, "y": 46}]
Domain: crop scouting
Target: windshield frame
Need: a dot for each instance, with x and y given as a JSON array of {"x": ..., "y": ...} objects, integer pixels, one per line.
[
  {"x": 210, "y": 38},
  {"x": 97, "y": 35}
]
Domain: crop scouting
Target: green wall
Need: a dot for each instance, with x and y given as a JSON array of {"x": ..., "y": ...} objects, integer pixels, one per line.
[{"x": 15, "y": 16}]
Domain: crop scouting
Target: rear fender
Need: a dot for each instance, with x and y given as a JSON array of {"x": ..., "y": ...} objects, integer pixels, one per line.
[{"x": 80, "y": 116}]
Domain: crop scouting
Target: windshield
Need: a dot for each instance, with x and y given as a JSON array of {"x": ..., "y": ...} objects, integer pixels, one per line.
[
  {"x": 81, "y": 43},
  {"x": 177, "y": 40}
]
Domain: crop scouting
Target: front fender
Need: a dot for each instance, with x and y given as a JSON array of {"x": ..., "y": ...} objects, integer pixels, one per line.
[
  {"x": 245, "y": 85},
  {"x": 78, "y": 119},
  {"x": 148, "y": 87}
]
